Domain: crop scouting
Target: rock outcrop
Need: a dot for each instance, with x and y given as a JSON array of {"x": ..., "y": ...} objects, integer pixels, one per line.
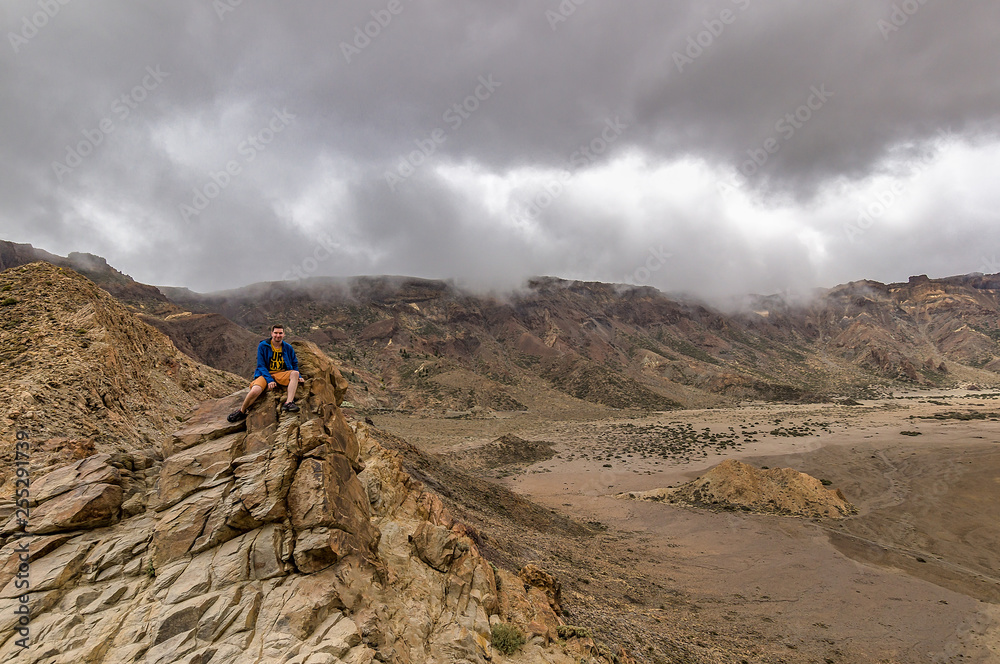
[
  {"x": 734, "y": 485},
  {"x": 288, "y": 538}
]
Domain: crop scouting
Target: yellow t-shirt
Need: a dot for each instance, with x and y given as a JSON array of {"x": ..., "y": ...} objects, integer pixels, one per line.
[{"x": 277, "y": 360}]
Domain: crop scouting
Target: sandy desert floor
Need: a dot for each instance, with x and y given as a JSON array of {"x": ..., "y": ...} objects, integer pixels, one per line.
[{"x": 913, "y": 577}]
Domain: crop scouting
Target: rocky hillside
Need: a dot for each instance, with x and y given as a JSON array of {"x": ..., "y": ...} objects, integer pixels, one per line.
[
  {"x": 83, "y": 374},
  {"x": 285, "y": 538},
  {"x": 208, "y": 338},
  {"x": 123, "y": 287}
]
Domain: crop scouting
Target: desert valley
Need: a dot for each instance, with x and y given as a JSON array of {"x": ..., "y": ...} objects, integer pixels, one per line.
[{"x": 597, "y": 465}]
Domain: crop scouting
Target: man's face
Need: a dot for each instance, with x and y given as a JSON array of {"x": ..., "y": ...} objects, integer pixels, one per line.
[{"x": 277, "y": 335}]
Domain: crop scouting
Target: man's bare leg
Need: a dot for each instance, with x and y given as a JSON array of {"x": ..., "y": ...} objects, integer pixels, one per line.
[
  {"x": 293, "y": 383},
  {"x": 251, "y": 397}
]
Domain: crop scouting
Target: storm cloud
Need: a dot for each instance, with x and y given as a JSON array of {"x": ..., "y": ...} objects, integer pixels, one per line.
[{"x": 714, "y": 147}]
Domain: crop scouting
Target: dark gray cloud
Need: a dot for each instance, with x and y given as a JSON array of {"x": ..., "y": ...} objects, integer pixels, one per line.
[{"x": 228, "y": 143}]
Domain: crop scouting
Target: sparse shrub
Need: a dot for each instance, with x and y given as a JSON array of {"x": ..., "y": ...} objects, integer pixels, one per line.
[
  {"x": 825, "y": 482},
  {"x": 507, "y": 638},
  {"x": 571, "y": 631},
  {"x": 910, "y": 433},
  {"x": 9, "y": 301}
]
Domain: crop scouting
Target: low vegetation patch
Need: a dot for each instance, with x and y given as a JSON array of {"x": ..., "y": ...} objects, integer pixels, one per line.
[
  {"x": 506, "y": 638},
  {"x": 958, "y": 415},
  {"x": 572, "y": 631}
]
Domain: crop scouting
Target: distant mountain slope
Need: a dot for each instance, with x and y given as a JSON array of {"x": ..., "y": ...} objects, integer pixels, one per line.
[
  {"x": 210, "y": 339},
  {"x": 417, "y": 343},
  {"x": 628, "y": 346}
]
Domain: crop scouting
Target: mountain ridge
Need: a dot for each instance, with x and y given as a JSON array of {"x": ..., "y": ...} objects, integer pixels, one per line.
[{"x": 411, "y": 344}]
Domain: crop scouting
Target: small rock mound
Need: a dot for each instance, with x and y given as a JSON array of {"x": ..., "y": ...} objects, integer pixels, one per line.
[{"x": 737, "y": 486}]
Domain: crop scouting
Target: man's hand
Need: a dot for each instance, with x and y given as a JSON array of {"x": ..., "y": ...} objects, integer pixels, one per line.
[
  {"x": 272, "y": 385},
  {"x": 302, "y": 380}
]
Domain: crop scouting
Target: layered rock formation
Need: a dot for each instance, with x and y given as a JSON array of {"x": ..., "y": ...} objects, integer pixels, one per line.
[
  {"x": 285, "y": 538},
  {"x": 737, "y": 486}
]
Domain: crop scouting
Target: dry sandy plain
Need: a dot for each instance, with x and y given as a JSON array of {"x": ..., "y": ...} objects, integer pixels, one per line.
[{"x": 913, "y": 577}]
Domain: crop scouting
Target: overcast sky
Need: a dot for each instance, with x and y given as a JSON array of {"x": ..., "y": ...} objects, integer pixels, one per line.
[{"x": 716, "y": 147}]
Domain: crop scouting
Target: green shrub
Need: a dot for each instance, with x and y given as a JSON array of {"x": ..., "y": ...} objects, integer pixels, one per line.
[
  {"x": 507, "y": 638},
  {"x": 571, "y": 631},
  {"x": 9, "y": 301}
]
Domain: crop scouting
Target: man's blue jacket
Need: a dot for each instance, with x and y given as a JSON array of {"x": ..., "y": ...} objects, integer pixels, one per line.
[{"x": 264, "y": 353}]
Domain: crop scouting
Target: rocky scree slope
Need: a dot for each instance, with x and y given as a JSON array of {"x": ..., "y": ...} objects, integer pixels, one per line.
[
  {"x": 207, "y": 338},
  {"x": 82, "y": 374},
  {"x": 288, "y": 537}
]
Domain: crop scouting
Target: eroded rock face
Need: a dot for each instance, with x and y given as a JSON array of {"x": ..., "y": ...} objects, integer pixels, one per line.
[{"x": 264, "y": 543}]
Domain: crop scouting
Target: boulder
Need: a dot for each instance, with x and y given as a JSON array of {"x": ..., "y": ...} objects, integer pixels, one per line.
[
  {"x": 207, "y": 422},
  {"x": 266, "y": 547},
  {"x": 95, "y": 469},
  {"x": 190, "y": 469},
  {"x": 86, "y": 506}
]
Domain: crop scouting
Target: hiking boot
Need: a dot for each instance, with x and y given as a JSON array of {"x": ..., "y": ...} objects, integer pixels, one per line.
[
  {"x": 236, "y": 416},
  {"x": 291, "y": 407}
]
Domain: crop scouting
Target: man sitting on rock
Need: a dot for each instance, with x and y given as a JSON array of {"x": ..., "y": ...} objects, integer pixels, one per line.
[{"x": 276, "y": 365}]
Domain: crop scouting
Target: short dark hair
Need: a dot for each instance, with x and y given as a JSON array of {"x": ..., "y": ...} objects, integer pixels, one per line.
[{"x": 277, "y": 326}]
